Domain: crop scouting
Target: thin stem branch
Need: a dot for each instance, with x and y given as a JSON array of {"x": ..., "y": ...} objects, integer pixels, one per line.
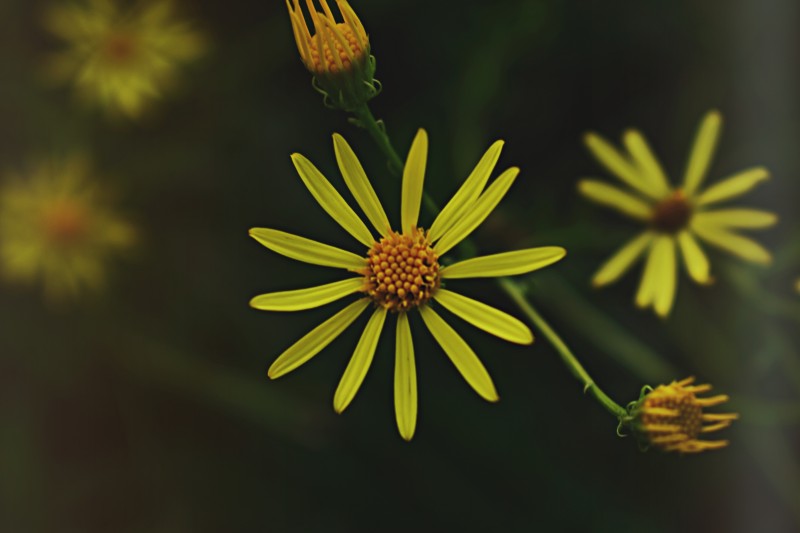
[{"x": 517, "y": 293}]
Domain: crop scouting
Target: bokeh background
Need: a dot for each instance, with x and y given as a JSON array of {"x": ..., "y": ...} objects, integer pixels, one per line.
[{"x": 146, "y": 407}]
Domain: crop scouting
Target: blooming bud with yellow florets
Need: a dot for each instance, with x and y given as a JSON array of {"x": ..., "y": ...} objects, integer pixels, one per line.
[
  {"x": 336, "y": 54},
  {"x": 671, "y": 418}
]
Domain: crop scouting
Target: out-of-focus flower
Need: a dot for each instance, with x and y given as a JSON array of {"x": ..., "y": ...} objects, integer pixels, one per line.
[
  {"x": 675, "y": 217},
  {"x": 118, "y": 57},
  {"x": 671, "y": 418},
  {"x": 337, "y": 54},
  {"x": 400, "y": 272},
  {"x": 55, "y": 226}
]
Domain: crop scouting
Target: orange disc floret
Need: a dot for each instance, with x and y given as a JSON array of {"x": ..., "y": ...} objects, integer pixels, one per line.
[
  {"x": 119, "y": 47},
  {"x": 344, "y": 50},
  {"x": 672, "y": 214},
  {"x": 64, "y": 223},
  {"x": 402, "y": 271}
]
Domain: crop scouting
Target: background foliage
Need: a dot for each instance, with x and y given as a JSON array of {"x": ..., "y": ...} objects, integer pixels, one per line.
[{"x": 147, "y": 408}]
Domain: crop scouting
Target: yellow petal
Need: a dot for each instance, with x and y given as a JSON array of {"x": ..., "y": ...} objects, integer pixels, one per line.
[
  {"x": 405, "y": 380},
  {"x": 694, "y": 258},
  {"x": 413, "y": 179},
  {"x": 705, "y": 144},
  {"x": 316, "y": 339},
  {"x": 487, "y": 318},
  {"x": 609, "y": 195},
  {"x": 310, "y": 298},
  {"x": 731, "y": 242},
  {"x": 648, "y": 164},
  {"x": 459, "y": 352},
  {"x": 622, "y": 260},
  {"x": 619, "y": 165},
  {"x": 467, "y": 193},
  {"x": 504, "y": 264},
  {"x": 306, "y": 250},
  {"x": 358, "y": 183},
  {"x": 360, "y": 361},
  {"x": 478, "y": 212},
  {"x": 331, "y": 201},
  {"x": 737, "y": 218},
  {"x": 646, "y": 293},
  {"x": 733, "y": 186},
  {"x": 666, "y": 283}
]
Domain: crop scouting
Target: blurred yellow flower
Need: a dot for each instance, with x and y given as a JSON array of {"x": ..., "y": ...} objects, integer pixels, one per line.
[
  {"x": 400, "y": 272},
  {"x": 670, "y": 417},
  {"x": 55, "y": 226},
  {"x": 675, "y": 217},
  {"x": 337, "y": 53},
  {"x": 118, "y": 57}
]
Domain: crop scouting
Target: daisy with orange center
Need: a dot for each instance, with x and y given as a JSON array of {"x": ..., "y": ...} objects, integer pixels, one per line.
[
  {"x": 675, "y": 217},
  {"x": 671, "y": 417},
  {"x": 55, "y": 226},
  {"x": 119, "y": 57},
  {"x": 400, "y": 272}
]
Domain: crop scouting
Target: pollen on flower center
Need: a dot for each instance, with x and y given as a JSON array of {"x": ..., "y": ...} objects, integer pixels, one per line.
[
  {"x": 330, "y": 64},
  {"x": 674, "y": 408},
  {"x": 402, "y": 271},
  {"x": 672, "y": 214},
  {"x": 119, "y": 47},
  {"x": 64, "y": 223}
]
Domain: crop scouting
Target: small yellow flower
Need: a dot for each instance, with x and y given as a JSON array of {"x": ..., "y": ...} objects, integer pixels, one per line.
[
  {"x": 118, "y": 57},
  {"x": 400, "y": 272},
  {"x": 675, "y": 217},
  {"x": 337, "y": 53},
  {"x": 671, "y": 418},
  {"x": 55, "y": 226}
]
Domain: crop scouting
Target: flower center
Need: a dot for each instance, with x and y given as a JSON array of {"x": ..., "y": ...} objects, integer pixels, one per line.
[
  {"x": 402, "y": 271},
  {"x": 327, "y": 53},
  {"x": 64, "y": 223},
  {"x": 672, "y": 214},
  {"x": 687, "y": 419},
  {"x": 119, "y": 47}
]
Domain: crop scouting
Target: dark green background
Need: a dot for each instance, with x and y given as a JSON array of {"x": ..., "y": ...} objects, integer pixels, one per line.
[{"x": 147, "y": 408}]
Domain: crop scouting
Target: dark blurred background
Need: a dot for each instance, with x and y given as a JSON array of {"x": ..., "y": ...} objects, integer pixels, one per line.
[{"x": 147, "y": 407}]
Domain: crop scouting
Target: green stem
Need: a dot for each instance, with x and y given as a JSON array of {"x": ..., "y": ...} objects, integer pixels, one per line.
[
  {"x": 517, "y": 293},
  {"x": 367, "y": 121},
  {"x": 375, "y": 129}
]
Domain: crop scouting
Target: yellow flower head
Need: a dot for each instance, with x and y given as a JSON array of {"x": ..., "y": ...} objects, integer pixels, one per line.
[
  {"x": 337, "y": 53},
  {"x": 120, "y": 58},
  {"x": 671, "y": 418},
  {"x": 55, "y": 226},
  {"x": 675, "y": 217},
  {"x": 400, "y": 272}
]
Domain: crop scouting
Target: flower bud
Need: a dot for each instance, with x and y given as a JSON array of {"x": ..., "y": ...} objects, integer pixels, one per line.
[
  {"x": 337, "y": 54},
  {"x": 671, "y": 417}
]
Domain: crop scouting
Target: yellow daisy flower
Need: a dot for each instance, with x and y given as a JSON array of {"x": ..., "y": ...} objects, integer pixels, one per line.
[
  {"x": 671, "y": 417},
  {"x": 117, "y": 57},
  {"x": 400, "y": 272},
  {"x": 675, "y": 217},
  {"x": 55, "y": 226}
]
